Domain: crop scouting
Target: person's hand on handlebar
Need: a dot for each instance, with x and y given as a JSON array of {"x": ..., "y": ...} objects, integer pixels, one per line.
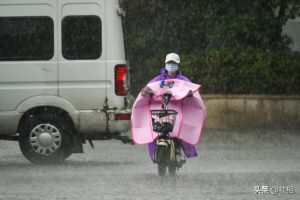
[
  {"x": 147, "y": 92},
  {"x": 190, "y": 94}
]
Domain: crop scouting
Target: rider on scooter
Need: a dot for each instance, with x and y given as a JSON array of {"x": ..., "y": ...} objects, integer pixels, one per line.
[{"x": 171, "y": 71}]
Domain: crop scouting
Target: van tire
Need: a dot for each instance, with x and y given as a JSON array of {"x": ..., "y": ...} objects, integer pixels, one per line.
[{"x": 46, "y": 138}]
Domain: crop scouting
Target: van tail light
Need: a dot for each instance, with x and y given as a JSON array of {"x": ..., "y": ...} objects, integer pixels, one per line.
[{"x": 120, "y": 80}]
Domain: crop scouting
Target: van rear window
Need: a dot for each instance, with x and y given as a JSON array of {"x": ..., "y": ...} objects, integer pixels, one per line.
[
  {"x": 81, "y": 37},
  {"x": 26, "y": 38}
]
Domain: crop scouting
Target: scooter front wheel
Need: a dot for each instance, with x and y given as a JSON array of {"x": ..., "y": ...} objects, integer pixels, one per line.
[
  {"x": 162, "y": 168},
  {"x": 172, "y": 169},
  {"x": 162, "y": 159}
]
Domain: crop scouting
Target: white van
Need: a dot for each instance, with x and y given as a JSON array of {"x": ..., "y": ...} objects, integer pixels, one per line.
[{"x": 62, "y": 74}]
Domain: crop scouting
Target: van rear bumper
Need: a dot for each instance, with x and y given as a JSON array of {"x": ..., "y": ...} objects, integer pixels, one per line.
[
  {"x": 120, "y": 121},
  {"x": 119, "y": 126}
]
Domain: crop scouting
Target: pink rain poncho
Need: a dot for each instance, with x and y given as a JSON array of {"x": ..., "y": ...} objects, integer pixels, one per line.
[{"x": 189, "y": 121}]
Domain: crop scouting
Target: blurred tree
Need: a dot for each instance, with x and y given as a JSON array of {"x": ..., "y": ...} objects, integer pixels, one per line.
[{"x": 230, "y": 46}]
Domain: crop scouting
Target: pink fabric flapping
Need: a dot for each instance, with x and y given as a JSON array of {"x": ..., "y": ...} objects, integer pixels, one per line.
[{"x": 190, "y": 118}]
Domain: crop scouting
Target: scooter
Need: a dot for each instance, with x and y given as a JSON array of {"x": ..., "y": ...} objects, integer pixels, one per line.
[
  {"x": 173, "y": 118},
  {"x": 166, "y": 147}
]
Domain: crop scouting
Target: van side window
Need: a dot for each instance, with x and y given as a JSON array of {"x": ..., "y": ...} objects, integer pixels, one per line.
[
  {"x": 81, "y": 37},
  {"x": 26, "y": 38}
]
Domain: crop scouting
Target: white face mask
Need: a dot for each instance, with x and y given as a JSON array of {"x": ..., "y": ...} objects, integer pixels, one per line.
[{"x": 172, "y": 67}]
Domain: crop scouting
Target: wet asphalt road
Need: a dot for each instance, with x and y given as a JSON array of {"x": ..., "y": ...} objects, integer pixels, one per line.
[{"x": 229, "y": 166}]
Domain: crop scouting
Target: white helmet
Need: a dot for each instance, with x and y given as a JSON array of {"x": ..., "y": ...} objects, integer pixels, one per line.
[{"x": 172, "y": 57}]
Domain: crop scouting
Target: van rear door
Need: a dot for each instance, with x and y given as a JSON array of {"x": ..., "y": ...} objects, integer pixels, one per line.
[{"x": 82, "y": 69}]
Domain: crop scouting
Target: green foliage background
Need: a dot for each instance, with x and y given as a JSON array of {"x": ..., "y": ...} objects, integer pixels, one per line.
[{"x": 228, "y": 46}]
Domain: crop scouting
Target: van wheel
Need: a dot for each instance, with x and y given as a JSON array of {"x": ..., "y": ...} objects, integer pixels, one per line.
[{"x": 46, "y": 138}]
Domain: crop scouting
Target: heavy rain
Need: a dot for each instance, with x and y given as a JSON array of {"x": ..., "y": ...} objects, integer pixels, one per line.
[{"x": 73, "y": 99}]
